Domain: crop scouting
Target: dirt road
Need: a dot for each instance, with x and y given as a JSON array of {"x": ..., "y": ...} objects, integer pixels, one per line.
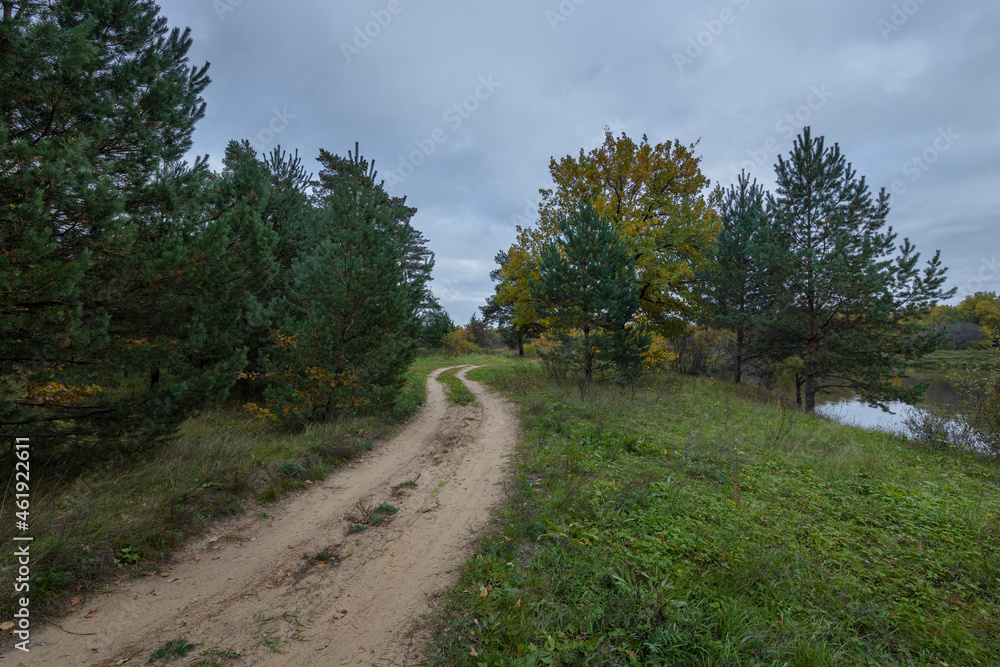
[{"x": 254, "y": 587}]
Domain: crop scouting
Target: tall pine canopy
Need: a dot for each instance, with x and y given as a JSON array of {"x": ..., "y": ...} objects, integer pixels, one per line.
[
  {"x": 98, "y": 104},
  {"x": 735, "y": 285},
  {"x": 348, "y": 327},
  {"x": 850, "y": 296}
]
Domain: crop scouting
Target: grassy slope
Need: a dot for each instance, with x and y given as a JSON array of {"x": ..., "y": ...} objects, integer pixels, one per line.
[
  {"x": 92, "y": 523},
  {"x": 695, "y": 523}
]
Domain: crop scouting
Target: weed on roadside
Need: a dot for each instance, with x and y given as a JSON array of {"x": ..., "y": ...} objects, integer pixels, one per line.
[
  {"x": 370, "y": 515},
  {"x": 172, "y": 650}
]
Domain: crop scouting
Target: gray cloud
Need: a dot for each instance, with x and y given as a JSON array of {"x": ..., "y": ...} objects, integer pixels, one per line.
[{"x": 888, "y": 92}]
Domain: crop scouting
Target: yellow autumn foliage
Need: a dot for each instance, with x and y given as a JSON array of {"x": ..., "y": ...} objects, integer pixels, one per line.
[{"x": 658, "y": 200}]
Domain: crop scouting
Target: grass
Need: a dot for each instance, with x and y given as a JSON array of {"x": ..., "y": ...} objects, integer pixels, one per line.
[
  {"x": 957, "y": 359},
  {"x": 455, "y": 388},
  {"x": 699, "y": 523},
  {"x": 172, "y": 650},
  {"x": 96, "y": 520}
]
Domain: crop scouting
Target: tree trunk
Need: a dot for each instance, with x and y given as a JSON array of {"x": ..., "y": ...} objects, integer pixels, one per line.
[
  {"x": 810, "y": 387},
  {"x": 588, "y": 361},
  {"x": 738, "y": 369},
  {"x": 520, "y": 345},
  {"x": 154, "y": 377}
]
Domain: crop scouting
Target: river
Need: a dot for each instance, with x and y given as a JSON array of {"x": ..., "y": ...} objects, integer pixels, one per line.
[{"x": 844, "y": 406}]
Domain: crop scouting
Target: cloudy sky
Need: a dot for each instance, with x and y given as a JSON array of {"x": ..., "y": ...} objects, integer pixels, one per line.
[{"x": 462, "y": 104}]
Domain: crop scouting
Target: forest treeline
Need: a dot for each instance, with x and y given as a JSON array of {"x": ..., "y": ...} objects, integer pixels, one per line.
[
  {"x": 808, "y": 282},
  {"x": 137, "y": 288}
]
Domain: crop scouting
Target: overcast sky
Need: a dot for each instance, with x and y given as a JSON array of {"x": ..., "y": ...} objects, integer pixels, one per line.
[{"x": 462, "y": 104}]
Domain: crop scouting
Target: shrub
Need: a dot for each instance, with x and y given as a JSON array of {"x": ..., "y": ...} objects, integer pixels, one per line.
[
  {"x": 459, "y": 342},
  {"x": 979, "y": 391}
]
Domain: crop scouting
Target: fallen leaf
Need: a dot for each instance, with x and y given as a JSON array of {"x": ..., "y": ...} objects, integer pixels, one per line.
[
  {"x": 472, "y": 652},
  {"x": 517, "y": 605},
  {"x": 92, "y": 612},
  {"x": 6, "y": 626},
  {"x": 75, "y": 601},
  {"x": 394, "y": 565},
  {"x": 60, "y": 512},
  {"x": 197, "y": 558}
]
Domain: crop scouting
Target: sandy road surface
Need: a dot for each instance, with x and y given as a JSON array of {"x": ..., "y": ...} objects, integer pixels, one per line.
[{"x": 254, "y": 587}]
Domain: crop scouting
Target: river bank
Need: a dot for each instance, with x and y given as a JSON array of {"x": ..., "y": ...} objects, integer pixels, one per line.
[{"x": 956, "y": 359}]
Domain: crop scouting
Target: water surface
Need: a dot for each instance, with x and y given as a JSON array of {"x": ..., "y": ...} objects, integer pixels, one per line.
[{"x": 844, "y": 406}]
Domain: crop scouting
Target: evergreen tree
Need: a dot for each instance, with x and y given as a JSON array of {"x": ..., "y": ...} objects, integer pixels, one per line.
[
  {"x": 850, "y": 298},
  {"x": 435, "y": 324},
  {"x": 98, "y": 101},
  {"x": 205, "y": 261},
  {"x": 347, "y": 330},
  {"x": 734, "y": 284},
  {"x": 586, "y": 282},
  {"x": 289, "y": 213}
]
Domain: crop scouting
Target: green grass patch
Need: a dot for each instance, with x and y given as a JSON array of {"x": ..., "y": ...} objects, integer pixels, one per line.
[
  {"x": 957, "y": 359},
  {"x": 694, "y": 522},
  {"x": 456, "y": 390},
  {"x": 172, "y": 650}
]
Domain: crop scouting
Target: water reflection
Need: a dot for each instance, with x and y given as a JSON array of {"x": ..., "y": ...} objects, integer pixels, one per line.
[{"x": 844, "y": 406}]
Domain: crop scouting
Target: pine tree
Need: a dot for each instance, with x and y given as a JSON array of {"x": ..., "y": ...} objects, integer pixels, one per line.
[
  {"x": 205, "y": 261},
  {"x": 435, "y": 324},
  {"x": 347, "y": 330},
  {"x": 850, "y": 298},
  {"x": 586, "y": 283},
  {"x": 98, "y": 100},
  {"x": 734, "y": 284}
]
